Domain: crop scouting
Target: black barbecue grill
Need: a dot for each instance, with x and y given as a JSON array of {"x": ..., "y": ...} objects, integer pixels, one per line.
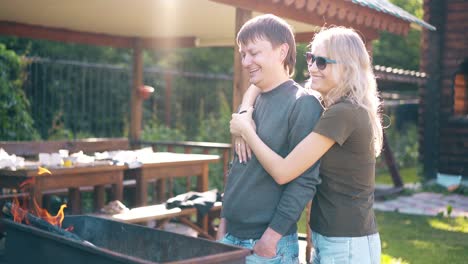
[{"x": 109, "y": 241}]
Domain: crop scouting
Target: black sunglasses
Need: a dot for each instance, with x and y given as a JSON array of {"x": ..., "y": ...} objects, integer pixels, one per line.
[{"x": 321, "y": 62}]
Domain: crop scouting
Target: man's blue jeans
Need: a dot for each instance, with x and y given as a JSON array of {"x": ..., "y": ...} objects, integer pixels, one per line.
[
  {"x": 346, "y": 250},
  {"x": 287, "y": 249}
]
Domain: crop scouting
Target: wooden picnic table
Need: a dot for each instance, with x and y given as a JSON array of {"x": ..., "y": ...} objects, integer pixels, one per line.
[
  {"x": 156, "y": 167},
  {"x": 97, "y": 174},
  {"x": 162, "y": 166}
]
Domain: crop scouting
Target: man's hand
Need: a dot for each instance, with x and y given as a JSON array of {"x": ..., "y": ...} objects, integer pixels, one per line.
[{"x": 266, "y": 246}]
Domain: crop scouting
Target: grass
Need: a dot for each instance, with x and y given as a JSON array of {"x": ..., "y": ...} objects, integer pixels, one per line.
[
  {"x": 422, "y": 239},
  {"x": 409, "y": 239},
  {"x": 409, "y": 175}
]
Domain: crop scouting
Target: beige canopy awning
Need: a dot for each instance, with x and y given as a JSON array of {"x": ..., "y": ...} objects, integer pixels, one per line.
[
  {"x": 156, "y": 24},
  {"x": 197, "y": 23}
]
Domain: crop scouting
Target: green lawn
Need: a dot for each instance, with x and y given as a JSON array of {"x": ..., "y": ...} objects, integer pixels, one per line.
[
  {"x": 419, "y": 239},
  {"x": 409, "y": 175}
]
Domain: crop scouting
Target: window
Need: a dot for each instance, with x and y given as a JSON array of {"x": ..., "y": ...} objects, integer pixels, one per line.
[{"x": 460, "y": 90}]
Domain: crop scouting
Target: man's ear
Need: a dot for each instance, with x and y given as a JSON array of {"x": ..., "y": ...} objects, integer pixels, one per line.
[{"x": 284, "y": 48}]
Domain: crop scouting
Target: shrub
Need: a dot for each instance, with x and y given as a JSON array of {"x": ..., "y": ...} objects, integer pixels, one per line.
[
  {"x": 15, "y": 118},
  {"x": 154, "y": 131}
]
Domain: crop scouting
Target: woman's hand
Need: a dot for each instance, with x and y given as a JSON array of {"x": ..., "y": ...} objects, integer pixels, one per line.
[
  {"x": 240, "y": 123},
  {"x": 243, "y": 151}
]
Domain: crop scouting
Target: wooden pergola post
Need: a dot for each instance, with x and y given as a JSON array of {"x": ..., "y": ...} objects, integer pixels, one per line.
[
  {"x": 241, "y": 79},
  {"x": 136, "y": 100}
]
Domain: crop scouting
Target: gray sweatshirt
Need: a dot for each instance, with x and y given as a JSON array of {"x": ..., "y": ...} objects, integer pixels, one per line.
[{"x": 253, "y": 201}]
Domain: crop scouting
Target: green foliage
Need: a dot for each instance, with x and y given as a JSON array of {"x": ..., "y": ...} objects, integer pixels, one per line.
[
  {"x": 16, "y": 121},
  {"x": 400, "y": 51},
  {"x": 413, "y": 7},
  {"x": 208, "y": 60},
  {"x": 215, "y": 128},
  {"x": 404, "y": 144},
  {"x": 301, "y": 72},
  {"x": 155, "y": 131},
  {"x": 449, "y": 210}
]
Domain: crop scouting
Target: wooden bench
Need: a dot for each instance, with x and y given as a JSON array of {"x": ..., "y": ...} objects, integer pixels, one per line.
[{"x": 162, "y": 215}]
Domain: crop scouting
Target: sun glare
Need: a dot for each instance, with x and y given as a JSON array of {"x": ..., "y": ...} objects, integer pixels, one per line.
[{"x": 453, "y": 224}]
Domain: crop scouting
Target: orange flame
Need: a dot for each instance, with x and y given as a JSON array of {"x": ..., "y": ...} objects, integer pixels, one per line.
[
  {"x": 54, "y": 220},
  {"x": 41, "y": 170},
  {"x": 20, "y": 214}
]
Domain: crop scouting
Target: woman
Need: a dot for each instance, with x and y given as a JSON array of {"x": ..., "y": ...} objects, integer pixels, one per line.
[{"x": 347, "y": 139}]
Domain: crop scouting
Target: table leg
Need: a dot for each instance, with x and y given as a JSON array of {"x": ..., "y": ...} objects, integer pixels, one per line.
[
  {"x": 99, "y": 197},
  {"x": 141, "y": 191},
  {"x": 161, "y": 190},
  {"x": 202, "y": 182},
  {"x": 117, "y": 191},
  {"x": 74, "y": 200},
  {"x": 202, "y": 186}
]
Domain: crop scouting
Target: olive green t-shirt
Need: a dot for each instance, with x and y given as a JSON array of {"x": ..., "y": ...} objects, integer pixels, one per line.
[{"x": 342, "y": 206}]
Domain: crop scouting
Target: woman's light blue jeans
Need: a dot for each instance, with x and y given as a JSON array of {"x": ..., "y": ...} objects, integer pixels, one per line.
[
  {"x": 287, "y": 249},
  {"x": 346, "y": 250}
]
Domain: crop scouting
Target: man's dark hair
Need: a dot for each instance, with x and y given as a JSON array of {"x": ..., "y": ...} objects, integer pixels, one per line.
[{"x": 273, "y": 29}]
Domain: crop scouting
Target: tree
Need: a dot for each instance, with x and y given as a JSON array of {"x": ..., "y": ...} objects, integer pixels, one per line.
[
  {"x": 397, "y": 51},
  {"x": 16, "y": 121}
]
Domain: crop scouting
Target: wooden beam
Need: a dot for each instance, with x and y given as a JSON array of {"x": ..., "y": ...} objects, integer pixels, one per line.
[
  {"x": 63, "y": 35},
  {"x": 304, "y": 37},
  {"x": 241, "y": 78},
  {"x": 136, "y": 100},
  {"x": 300, "y": 4},
  {"x": 367, "y": 35},
  {"x": 72, "y": 36}
]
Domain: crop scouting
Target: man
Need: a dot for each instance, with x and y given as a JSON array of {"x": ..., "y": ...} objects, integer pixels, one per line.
[{"x": 257, "y": 212}]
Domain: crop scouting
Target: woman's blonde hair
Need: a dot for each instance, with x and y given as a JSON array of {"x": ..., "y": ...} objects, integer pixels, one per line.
[{"x": 353, "y": 74}]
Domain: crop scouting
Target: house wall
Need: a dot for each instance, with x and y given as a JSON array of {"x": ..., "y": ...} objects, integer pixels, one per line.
[{"x": 447, "y": 144}]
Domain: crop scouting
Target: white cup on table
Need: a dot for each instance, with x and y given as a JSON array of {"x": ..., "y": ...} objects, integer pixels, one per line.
[{"x": 44, "y": 159}]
